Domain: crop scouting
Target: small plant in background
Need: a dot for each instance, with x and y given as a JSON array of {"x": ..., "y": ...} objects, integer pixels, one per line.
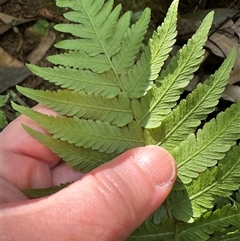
[
  {"x": 116, "y": 95},
  {"x": 3, "y": 119},
  {"x": 14, "y": 26},
  {"x": 41, "y": 27}
]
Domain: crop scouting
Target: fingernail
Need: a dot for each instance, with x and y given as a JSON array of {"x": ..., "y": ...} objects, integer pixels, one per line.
[{"x": 157, "y": 163}]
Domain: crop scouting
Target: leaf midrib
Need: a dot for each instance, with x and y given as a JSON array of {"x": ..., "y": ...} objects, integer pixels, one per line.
[
  {"x": 176, "y": 74},
  {"x": 87, "y": 81},
  {"x": 63, "y": 101},
  {"x": 213, "y": 185},
  {"x": 186, "y": 117},
  {"x": 204, "y": 147},
  {"x": 103, "y": 135},
  {"x": 204, "y": 223},
  {"x": 160, "y": 234},
  {"x": 104, "y": 49}
]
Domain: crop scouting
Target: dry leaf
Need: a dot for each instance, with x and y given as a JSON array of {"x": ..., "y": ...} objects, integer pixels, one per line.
[
  {"x": 44, "y": 45},
  {"x": 231, "y": 93},
  {"x": 223, "y": 45},
  {"x": 8, "y": 61},
  {"x": 234, "y": 76},
  {"x": 9, "y": 22},
  {"x": 11, "y": 76}
]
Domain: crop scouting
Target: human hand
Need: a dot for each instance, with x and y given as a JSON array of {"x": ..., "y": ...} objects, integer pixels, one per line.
[{"x": 106, "y": 204}]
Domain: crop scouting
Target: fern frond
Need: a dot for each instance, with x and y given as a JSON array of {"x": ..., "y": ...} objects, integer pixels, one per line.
[
  {"x": 97, "y": 23},
  {"x": 79, "y": 80},
  {"x": 107, "y": 46},
  {"x": 162, "y": 40},
  {"x": 79, "y": 158},
  {"x": 116, "y": 97},
  {"x": 43, "y": 192},
  {"x": 114, "y": 43},
  {"x": 210, "y": 223},
  {"x": 229, "y": 235},
  {"x": 77, "y": 30},
  {"x": 3, "y": 119},
  {"x": 163, "y": 96},
  {"x": 81, "y": 60},
  {"x": 137, "y": 81},
  {"x": 187, "y": 116},
  {"x": 154, "y": 232},
  {"x": 195, "y": 154},
  {"x": 100, "y": 20},
  {"x": 79, "y": 104},
  {"x": 198, "y": 197},
  {"x": 131, "y": 44},
  {"x": 78, "y": 5},
  {"x": 92, "y": 46},
  {"x": 159, "y": 214},
  {"x": 84, "y": 31},
  {"x": 96, "y": 135}
]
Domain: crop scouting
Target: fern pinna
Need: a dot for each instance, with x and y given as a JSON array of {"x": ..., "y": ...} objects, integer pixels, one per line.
[{"x": 116, "y": 95}]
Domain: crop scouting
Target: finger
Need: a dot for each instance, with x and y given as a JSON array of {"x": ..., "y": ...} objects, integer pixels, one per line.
[
  {"x": 109, "y": 202},
  {"x": 26, "y": 163},
  {"x": 9, "y": 193},
  {"x": 63, "y": 173},
  {"x": 15, "y": 139},
  {"x": 23, "y": 172}
]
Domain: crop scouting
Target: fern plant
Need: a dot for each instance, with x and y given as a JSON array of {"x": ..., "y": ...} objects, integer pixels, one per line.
[{"x": 116, "y": 95}]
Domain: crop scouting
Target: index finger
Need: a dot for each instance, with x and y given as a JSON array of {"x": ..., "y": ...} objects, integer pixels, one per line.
[{"x": 15, "y": 139}]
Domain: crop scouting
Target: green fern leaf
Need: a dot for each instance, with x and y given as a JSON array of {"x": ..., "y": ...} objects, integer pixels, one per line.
[
  {"x": 85, "y": 31},
  {"x": 96, "y": 135},
  {"x": 195, "y": 154},
  {"x": 3, "y": 100},
  {"x": 102, "y": 25},
  {"x": 162, "y": 40},
  {"x": 139, "y": 78},
  {"x": 79, "y": 80},
  {"x": 198, "y": 197},
  {"x": 210, "y": 223},
  {"x": 101, "y": 20},
  {"x": 43, "y": 192},
  {"x": 115, "y": 111},
  {"x": 97, "y": 19},
  {"x": 79, "y": 158},
  {"x": 187, "y": 116},
  {"x": 100, "y": 47},
  {"x": 114, "y": 43},
  {"x": 131, "y": 44},
  {"x": 134, "y": 82},
  {"x": 162, "y": 97},
  {"x": 81, "y": 60},
  {"x": 159, "y": 214},
  {"x": 77, "y": 30},
  {"x": 3, "y": 119},
  {"x": 152, "y": 232},
  {"x": 100, "y": 136},
  {"x": 228, "y": 235}
]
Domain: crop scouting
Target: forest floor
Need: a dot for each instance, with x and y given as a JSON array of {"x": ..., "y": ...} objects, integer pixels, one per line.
[{"x": 27, "y": 36}]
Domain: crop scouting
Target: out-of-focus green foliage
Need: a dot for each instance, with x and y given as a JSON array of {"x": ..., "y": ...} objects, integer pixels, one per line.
[{"x": 3, "y": 101}]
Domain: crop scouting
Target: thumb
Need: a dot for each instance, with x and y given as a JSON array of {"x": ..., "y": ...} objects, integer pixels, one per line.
[{"x": 107, "y": 204}]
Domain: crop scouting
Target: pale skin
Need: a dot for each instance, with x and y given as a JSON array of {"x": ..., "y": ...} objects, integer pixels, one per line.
[{"x": 107, "y": 204}]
